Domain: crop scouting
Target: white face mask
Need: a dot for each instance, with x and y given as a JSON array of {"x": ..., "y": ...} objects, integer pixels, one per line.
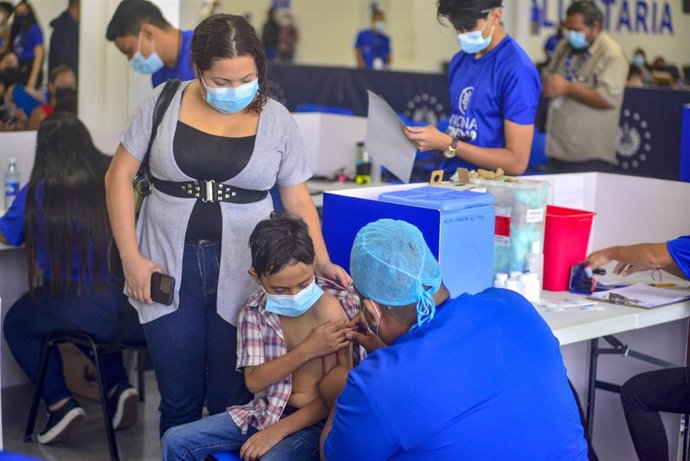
[
  {"x": 379, "y": 26},
  {"x": 378, "y": 323}
]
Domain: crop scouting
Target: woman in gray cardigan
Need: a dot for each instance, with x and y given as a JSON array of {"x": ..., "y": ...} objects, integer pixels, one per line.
[{"x": 221, "y": 146}]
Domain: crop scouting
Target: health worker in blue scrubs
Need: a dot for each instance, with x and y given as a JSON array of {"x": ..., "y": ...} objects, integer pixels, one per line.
[
  {"x": 373, "y": 47},
  {"x": 668, "y": 390},
  {"x": 151, "y": 44},
  {"x": 475, "y": 377},
  {"x": 494, "y": 90}
]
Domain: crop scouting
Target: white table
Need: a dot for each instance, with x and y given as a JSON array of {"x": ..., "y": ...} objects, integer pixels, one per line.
[{"x": 573, "y": 326}]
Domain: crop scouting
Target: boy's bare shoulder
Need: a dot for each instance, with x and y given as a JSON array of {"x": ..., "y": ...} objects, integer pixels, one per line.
[{"x": 330, "y": 308}]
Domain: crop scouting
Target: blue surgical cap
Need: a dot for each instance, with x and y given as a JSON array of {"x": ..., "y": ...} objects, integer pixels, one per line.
[{"x": 391, "y": 264}]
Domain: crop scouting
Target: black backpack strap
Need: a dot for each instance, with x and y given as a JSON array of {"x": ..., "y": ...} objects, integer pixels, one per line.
[{"x": 162, "y": 104}]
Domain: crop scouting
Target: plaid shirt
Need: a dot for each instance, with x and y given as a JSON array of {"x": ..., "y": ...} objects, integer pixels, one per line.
[{"x": 260, "y": 339}]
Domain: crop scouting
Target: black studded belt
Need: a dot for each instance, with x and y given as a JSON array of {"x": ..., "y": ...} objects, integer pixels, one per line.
[{"x": 208, "y": 191}]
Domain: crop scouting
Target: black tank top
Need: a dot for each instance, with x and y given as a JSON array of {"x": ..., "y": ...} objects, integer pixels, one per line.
[{"x": 202, "y": 155}]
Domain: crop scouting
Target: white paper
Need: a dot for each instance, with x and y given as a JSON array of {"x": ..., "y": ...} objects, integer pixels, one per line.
[{"x": 385, "y": 140}]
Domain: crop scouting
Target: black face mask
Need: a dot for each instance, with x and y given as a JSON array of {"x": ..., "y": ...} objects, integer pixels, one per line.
[
  {"x": 65, "y": 93},
  {"x": 10, "y": 76}
]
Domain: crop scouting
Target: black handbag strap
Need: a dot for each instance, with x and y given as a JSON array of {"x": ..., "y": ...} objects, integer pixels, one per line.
[{"x": 162, "y": 104}]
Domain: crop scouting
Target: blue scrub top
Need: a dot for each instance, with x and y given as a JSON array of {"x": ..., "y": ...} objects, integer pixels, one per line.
[
  {"x": 25, "y": 43},
  {"x": 373, "y": 45},
  {"x": 13, "y": 229},
  {"x": 680, "y": 252},
  {"x": 501, "y": 85},
  {"x": 183, "y": 69},
  {"x": 483, "y": 380}
]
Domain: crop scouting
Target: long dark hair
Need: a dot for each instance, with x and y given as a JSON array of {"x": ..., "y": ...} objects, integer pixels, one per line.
[
  {"x": 224, "y": 36},
  {"x": 23, "y": 25},
  {"x": 72, "y": 223}
]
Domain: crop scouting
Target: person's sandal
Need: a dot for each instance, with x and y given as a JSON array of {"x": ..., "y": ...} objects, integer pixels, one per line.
[{"x": 61, "y": 421}]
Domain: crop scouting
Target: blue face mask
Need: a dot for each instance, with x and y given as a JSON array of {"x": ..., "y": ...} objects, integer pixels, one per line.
[
  {"x": 294, "y": 305},
  {"x": 638, "y": 60},
  {"x": 231, "y": 100},
  {"x": 149, "y": 65},
  {"x": 577, "y": 39},
  {"x": 474, "y": 42}
]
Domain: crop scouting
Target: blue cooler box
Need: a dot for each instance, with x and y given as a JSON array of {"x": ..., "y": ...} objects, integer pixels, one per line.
[{"x": 457, "y": 225}]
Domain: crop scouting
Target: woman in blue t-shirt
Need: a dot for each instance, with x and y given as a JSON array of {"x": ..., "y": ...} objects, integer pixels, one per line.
[
  {"x": 494, "y": 90},
  {"x": 668, "y": 390},
  {"x": 60, "y": 217},
  {"x": 26, "y": 40}
]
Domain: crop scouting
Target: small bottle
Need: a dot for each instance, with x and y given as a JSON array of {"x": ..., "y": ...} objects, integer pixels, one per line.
[
  {"x": 362, "y": 165},
  {"x": 514, "y": 275},
  {"x": 530, "y": 286},
  {"x": 12, "y": 178},
  {"x": 500, "y": 280},
  {"x": 534, "y": 261},
  {"x": 513, "y": 285}
]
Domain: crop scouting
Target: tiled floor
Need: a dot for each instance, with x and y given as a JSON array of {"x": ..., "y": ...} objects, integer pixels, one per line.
[{"x": 87, "y": 441}]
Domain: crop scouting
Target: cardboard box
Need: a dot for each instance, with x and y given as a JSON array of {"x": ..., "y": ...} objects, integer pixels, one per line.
[{"x": 80, "y": 372}]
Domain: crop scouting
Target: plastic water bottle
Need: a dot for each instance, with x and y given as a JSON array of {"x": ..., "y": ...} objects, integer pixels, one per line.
[{"x": 12, "y": 178}]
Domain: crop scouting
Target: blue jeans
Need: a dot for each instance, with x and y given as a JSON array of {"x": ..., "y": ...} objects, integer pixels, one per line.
[
  {"x": 219, "y": 433},
  {"x": 94, "y": 311},
  {"x": 193, "y": 350}
]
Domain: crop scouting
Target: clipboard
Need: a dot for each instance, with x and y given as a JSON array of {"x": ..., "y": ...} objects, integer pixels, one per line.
[{"x": 642, "y": 295}]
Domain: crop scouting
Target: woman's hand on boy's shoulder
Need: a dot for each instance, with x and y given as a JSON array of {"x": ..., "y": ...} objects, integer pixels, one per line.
[{"x": 334, "y": 272}]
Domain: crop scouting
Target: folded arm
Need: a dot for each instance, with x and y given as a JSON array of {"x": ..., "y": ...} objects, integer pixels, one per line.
[{"x": 325, "y": 339}]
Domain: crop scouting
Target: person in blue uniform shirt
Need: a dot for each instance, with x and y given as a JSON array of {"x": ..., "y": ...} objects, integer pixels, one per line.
[
  {"x": 494, "y": 91},
  {"x": 467, "y": 378},
  {"x": 373, "y": 47},
  {"x": 151, "y": 44},
  {"x": 26, "y": 40},
  {"x": 668, "y": 390}
]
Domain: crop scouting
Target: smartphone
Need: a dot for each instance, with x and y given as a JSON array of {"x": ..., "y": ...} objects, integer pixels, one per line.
[{"x": 162, "y": 288}]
